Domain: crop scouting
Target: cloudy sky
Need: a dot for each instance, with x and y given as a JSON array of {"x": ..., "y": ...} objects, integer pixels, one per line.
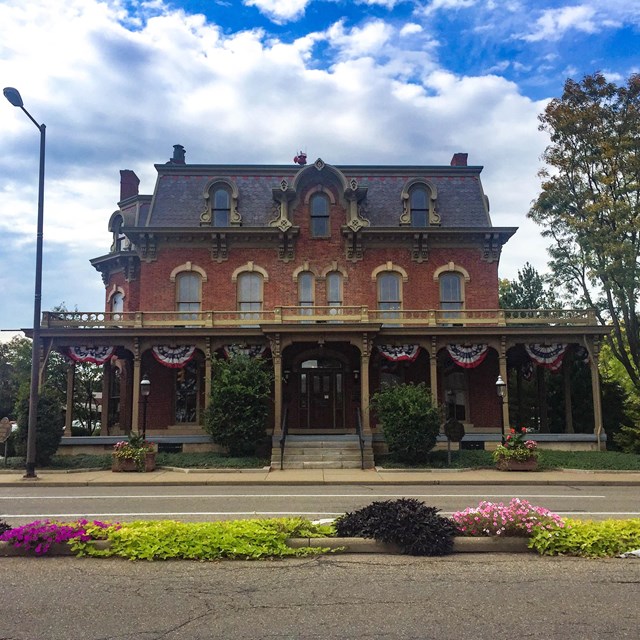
[{"x": 119, "y": 82}]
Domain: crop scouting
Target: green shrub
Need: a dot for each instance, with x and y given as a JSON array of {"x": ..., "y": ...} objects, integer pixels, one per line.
[
  {"x": 604, "y": 539},
  {"x": 628, "y": 439},
  {"x": 408, "y": 523},
  {"x": 409, "y": 420},
  {"x": 237, "y": 415},
  {"x": 168, "y": 539},
  {"x": 49, "y": 425}
]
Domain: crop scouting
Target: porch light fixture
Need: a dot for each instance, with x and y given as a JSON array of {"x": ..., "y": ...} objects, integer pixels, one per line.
[
  {"x": 14, "y": 97},
  {"x": 285, "y": 376},
  {"x": 145, "y": 390},
  {"x": 356, "y": 374}
]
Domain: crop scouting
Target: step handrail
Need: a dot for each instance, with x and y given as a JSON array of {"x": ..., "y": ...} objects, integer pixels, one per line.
[
  {"x": 360, "y": 436},
  {"x": 283, "y": 438}
]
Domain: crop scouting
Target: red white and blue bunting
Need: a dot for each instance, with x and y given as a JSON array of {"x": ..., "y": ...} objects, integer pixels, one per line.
[
  {"x": 95, "y": 354},
  {"x": 173, "y": 357},
  {"x": 403, "y": 352},
  {"x": 250, "y": 350},
  {"x": 547, "y": 355},
  {"x": 468, "y": 356}
]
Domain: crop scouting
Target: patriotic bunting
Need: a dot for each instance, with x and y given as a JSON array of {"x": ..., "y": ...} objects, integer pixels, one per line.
[
  {"x": 468, "y": 356},
  {"x": 403, "y": 352},
  {"x": 252, "y": 350},
  {"x": 173, "y": 357},
  {"x": 547, "y": 355},
  {"x": 95, "y": 354}
]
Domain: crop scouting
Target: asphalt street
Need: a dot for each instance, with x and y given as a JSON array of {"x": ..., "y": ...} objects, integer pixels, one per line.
[
  {"x": 493, "y": 596},
  {"x": 192, "y": 503}
]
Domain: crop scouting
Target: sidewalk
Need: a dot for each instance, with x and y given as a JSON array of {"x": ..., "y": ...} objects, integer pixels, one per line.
[{"x": 200, "y": 477}]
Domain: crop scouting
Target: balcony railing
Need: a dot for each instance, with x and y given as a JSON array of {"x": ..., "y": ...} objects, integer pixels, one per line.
[{"x": 318, "y": 315}]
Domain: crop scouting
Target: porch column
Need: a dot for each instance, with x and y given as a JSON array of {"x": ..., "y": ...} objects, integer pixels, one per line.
[
  {"x": 107, "y": 372},
  {"x": 566, "y": 379},
  {"x": 135, "y": 396},
  {"x": 365, "y": 356},
  {"x": 433, "y": 371},
  {"x": 594, "y": 354},
  {"x": 502, "y": 359},
  {"x": 68, "y": 416},
  {"x": 277, "y": 372},
  {"x": 207, "y": 373}
]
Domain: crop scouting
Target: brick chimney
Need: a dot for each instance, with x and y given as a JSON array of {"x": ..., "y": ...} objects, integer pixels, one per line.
[
  {"x": 178, "y": 155},
  {"x": 129, "y": 183},
  {"x": 459, "y": 160}
]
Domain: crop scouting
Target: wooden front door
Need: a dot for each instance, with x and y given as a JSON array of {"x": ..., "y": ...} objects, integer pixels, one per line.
[{"x": 322, "y": 395}]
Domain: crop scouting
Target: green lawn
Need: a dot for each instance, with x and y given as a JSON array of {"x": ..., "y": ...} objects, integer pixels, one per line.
[{"x": 609, "y": 460}]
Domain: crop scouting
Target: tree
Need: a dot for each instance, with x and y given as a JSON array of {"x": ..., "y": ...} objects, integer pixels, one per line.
[
  {"x": 529, "y": 291},
  {"x": 590, "y": 204},
  {"x": 237, "y": 415}
]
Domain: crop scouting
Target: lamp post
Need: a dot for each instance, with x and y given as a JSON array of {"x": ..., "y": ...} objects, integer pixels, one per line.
[
  {"x": 501, "y": 389},
  {"x": 14, "y": 97},
  {"x": 145, "y": 389}
]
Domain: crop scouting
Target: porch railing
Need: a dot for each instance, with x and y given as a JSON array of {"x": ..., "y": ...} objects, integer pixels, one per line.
[
  {"x": 360, "y": 436},
  {"x": 316, "y": 315}
]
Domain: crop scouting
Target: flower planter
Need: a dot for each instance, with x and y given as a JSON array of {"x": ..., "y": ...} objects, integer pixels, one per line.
[
  {"x": 127, "y": 464},
  {"x": 517, "y": 465}
]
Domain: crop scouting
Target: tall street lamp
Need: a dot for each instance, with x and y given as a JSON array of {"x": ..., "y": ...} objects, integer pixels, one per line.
[
  {"x": 14, "y": 97},
  {"x": 501, "y": 389},
  {"x": 145, "y": 389}
]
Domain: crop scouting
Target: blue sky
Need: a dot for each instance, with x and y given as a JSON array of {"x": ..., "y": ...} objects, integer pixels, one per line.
[{"x": 119, "y": 82}]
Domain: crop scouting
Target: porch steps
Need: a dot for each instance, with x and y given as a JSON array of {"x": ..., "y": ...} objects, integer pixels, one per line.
[{"x": 322, "y": 452}]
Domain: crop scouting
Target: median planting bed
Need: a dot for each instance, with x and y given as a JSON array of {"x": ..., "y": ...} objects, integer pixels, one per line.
[{"x": 405, "y": 526}]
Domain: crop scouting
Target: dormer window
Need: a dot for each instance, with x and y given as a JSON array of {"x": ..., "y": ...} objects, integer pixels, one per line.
[
  {"x": 221, "y": 204},
  {"x": 319, "y": 216},
  {"x": 419, "y": 206},
  {"x": 221, "y": 210}
]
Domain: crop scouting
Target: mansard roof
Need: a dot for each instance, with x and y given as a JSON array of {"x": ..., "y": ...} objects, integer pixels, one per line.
[{"x": 179, "y": 197}]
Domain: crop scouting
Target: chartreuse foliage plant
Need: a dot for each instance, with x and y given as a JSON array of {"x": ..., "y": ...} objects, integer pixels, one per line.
[
  {"x": 518, "y": 518},
  {"x": 604, "y": 539},
  {"x": 628, "y": 439},
  {"x": 239, "y": 539},
  {"x": 414, "y": 527}
]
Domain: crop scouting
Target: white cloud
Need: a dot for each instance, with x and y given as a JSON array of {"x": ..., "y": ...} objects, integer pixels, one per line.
[
  {"x": 410, "y": 28},
  {"x": 447, "y": 5},
  {"x": 554, "y": 23},
  {"x": 280, "y": 11},
  {"x": 389, "y": 4},
  {"x": 118, "y": 97}
]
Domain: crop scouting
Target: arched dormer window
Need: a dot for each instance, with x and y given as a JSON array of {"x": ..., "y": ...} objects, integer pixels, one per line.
[
  {"x": 319, "y": 206},
  {"x": 419, "y": 204},
  {"x": 221, "y": 204},
  {"x": 221, "y": 207}
]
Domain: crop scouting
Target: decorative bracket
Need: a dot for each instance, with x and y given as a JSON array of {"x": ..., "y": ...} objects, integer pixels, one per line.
[{"x": 491, "y": 247}]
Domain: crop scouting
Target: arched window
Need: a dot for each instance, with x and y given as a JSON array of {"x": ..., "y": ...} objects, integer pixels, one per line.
[
  {"x": 221, "y": 209},
  {"x": 306, "y": 282},
  {"x": 249, "y": 293},
  {"x": 419, "y": 205},
  {"x": 334, "y": 289},
  {"x": 117, "y": 305},
  {"x": 188, "y": 294},
  {"x": 451, "y": 293},
  {"x": 319, "y": 216},
  {"x": 389, "y": 294}
]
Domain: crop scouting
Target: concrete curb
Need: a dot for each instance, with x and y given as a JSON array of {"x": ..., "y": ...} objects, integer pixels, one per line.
[{"x": 493, "y": 544}]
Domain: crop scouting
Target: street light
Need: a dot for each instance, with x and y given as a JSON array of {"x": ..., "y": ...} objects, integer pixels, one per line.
[
  {"x": 501, "y": 389},
  {"x": 145, "y": 389},
  {"x": 14, "y": 97}
]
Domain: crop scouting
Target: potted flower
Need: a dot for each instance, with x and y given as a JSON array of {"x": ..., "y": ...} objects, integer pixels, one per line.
[
  {"x": 134, "y": 454},
  {"x": 516, "y": 453}
]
